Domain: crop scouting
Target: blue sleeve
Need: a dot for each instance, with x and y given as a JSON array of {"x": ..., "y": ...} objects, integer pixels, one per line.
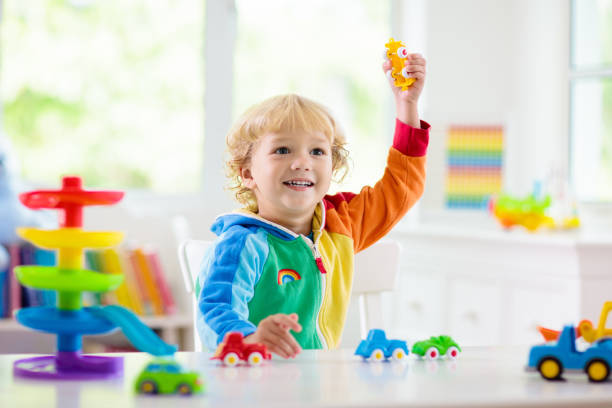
[{"x": 230, "y": 271}]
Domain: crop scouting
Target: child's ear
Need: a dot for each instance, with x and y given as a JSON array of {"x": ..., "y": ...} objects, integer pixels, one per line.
[{"x": 247, "y": 178}]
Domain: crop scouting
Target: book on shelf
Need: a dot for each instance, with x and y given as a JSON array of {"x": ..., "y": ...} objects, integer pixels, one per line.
[
  {"x": 13, "y": 295},
  {"x": 14, "y": 288},
  {"x": 142, "y": 286},
  {"x": 141, "y": 265},
  {"x": 162, "y": 284},
  {"x": 31, "y": 255},
  {"x": 144, "y": 289},
  {"x": 3, "y": 292}
]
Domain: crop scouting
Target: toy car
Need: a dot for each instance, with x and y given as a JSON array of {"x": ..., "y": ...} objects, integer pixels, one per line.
[
  {"x": 233, "y": 349},
  {"x": 167, "y": 377},
  {"x": 437, "y": 347},
  {"x": 377, "y": 348},
  {"x": 552, "y": 359}
]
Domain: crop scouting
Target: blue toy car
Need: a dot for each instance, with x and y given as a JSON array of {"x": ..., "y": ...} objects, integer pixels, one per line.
[
  {"x": 377, "y": 348},
  {"x": 551, "y": 360}
]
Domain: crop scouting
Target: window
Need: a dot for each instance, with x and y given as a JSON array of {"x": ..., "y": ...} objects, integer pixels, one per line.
[
  {"x": 171, "y": 368},
  {"x": 327, "y": 51},
  {"x": 154, "y": 368},
  {"x": 591, "y": 99},
  {"x": 109, "y": 90}
]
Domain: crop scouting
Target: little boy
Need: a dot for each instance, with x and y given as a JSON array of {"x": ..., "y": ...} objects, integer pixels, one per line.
[{"x": 288, "y": 255}]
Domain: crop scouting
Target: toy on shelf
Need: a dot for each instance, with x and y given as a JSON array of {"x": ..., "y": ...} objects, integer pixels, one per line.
[
  {"x": 530, "y": 212},
  {"x": 396, "y": 52},
  {"x": 70, "y": 320},
  {"x": 233, "y": 349},
  {"x": 437, "y": 347},
  {"x": 585, "y": 328},
  {"x": 552, "y": 359},
  {"x": 537, "y": 210},
  {"x": 377, "y": 347},
  {"x": 166, "y": 376}
]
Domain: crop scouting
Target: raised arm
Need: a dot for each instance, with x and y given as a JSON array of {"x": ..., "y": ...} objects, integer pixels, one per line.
[{"x": 369, "y": 215}]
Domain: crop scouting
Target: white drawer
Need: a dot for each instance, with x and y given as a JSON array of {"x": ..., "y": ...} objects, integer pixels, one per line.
[
  {"x": 418, "y": 305},
  {"x": 530, "y": 308},
  {"x": 474, "y": 310}
]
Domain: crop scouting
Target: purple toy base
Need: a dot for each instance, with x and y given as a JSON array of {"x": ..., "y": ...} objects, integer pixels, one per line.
[{"x": 69, "y": 366}]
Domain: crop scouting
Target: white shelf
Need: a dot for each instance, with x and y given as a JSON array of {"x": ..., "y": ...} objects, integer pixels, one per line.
[
  {"x": 167, "y": 322},
  {"x": 7, "y": 324},
  {"x": 174, "y": 329},
  {"x": 154, "y": 322}
]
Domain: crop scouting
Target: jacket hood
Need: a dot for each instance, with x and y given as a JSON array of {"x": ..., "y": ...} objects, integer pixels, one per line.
[{"x": 248, "y": 219}]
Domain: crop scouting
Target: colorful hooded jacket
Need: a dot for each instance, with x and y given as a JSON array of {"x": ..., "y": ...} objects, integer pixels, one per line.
[{"x": 257, "y": 268}]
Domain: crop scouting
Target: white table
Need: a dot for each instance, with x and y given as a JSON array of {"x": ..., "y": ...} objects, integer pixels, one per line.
[{"x": 485, "y": 377}]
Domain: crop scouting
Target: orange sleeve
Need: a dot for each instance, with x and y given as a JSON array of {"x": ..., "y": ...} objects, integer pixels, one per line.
[{"x": 369, "y": 215}]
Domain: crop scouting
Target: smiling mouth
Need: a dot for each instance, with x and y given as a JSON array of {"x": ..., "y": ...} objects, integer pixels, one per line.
[{"x": 298, "y": 183}]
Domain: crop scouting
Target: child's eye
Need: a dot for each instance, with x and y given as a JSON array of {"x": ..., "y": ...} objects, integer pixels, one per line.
[
  {"x": 318, "y": 152},
  {"x": 281, "y": 150}
]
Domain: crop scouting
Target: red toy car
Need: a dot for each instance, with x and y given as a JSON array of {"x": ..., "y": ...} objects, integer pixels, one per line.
[{"x": 233, "y": 349}]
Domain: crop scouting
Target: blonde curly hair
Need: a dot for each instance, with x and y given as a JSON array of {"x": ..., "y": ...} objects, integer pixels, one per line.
[{"x": 283, "y": 113}]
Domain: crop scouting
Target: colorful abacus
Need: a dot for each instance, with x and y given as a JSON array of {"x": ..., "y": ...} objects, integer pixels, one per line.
[{"x": 474, "y": 165}]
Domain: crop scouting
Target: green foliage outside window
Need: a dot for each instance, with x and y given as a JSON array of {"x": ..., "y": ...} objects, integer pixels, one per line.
[{"x": 109, "y": 90}]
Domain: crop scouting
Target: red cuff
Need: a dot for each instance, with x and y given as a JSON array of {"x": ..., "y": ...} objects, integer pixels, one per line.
[{"x": 411, "y": 141}]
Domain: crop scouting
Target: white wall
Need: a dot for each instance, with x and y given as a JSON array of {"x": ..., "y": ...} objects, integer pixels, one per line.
[
  {"x": 488, "y": 60},
  {"x": 501, "y": 61}
]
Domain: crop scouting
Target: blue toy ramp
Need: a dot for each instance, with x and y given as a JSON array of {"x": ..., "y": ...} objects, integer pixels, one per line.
[{"x": 143, "y": 338}]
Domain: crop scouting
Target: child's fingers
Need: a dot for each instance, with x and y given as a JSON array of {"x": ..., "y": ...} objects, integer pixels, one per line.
[
  {"x": 386, "y": 66},
  {"x": 276, "y": 349},
  {"x": 287, "y": 322},
  {"x": 415, "y": 67},
  {"x": 279, "y": 344},
  {"x": 291, "y": 342},
  {"x": 415, "y": 60},
  {"x": 287, "y": 338},
  {"x": 415, "y": 55},
  {"x": 417, "y": 75},
  {"x": 297, "y": 327}
]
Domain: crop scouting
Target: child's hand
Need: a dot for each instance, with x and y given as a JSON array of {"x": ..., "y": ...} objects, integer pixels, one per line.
[
  {"x": 406, "y": 101},
  {"x": 273, "y": 332},
  {"x": 416, "y": 67}
]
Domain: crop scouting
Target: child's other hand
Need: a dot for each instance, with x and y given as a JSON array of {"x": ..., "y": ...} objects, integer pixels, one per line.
[
  {"x": 416, "y": 67},
  {"x": 273, "y": 332}
]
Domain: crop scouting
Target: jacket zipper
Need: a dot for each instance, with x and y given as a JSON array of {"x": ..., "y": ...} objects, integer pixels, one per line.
[{"x": 319, "y": 261}]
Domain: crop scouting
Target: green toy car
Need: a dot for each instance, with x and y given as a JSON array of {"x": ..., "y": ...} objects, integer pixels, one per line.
[
  {"x": 437, "y": 347},
  {"x": 168, "y": 377}
]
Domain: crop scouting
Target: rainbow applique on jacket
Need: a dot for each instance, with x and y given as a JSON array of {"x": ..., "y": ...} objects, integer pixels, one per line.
[
  {"x": 257, "y": 268},
  {"x": 287, "y": 275}
]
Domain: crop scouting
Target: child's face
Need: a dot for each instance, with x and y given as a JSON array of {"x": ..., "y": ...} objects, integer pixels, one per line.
[{"x": 289, "y": 173}]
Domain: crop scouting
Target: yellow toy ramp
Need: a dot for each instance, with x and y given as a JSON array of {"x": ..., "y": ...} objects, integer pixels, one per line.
[{"x": 70, "y": 238}]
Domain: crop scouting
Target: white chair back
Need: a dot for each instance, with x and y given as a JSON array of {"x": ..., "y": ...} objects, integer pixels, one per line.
[
  {"x": 376, "y": 271},
  {"x": 190, "y": 253}
]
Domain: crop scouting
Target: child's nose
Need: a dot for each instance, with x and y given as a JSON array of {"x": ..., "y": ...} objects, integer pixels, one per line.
[{"x": 301, "y": 162}]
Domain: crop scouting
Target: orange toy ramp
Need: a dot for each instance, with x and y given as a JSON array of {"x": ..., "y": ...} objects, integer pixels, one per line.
[
  {"x": 553, "y": 335},
  {"x": 549, "y": 334}
]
